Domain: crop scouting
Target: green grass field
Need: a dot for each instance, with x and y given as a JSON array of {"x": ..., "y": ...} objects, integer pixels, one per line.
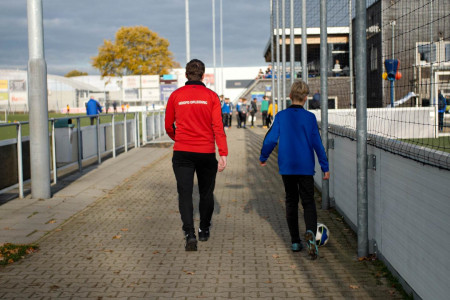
[
  {"x": 10, "y": 132},
  {"x": 441, "y": 143}
]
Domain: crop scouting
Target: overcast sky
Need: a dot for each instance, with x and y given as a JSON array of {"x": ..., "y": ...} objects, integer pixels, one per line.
[{"x": 74, "y": 29}]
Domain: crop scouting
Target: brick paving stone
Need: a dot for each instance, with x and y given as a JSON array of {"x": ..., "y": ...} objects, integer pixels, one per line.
[{"x": 128, "y": 244}]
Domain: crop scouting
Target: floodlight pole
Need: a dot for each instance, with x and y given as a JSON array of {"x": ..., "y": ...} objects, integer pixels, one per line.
[
  {"x": 292, "y": 44},
  {"x": 221, "y": 51},
  {"x": 37, "y": 101},
  {"x": 361, "y": 127},
  {"x": 324, "y": 93},
  {"x": 304, "y": 48},
  {"x": 275, "y": 107},
  {"x": 272, "y": 92},
  {"x": 214, "y": 42},
  {"x": 283, "y": 52},
  {"x": 188, "y": 35}
]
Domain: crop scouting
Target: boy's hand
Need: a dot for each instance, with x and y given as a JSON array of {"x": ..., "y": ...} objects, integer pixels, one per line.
[
  {"x": 326, "y": 176},
  {"x": 222, "y": 163},
  {"x": 263, "y": 164}
]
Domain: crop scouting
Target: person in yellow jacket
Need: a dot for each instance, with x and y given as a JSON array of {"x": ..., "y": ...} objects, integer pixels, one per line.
[{"x": 270, "y": 113}]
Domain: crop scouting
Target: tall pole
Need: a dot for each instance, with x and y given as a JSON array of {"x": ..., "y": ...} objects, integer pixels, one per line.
[
  {"x": 304, "y": 47},
  {"x": 188, "y": 34},
  {"x": 271, "y": 52},
  {"x": 283, "y": 51},
  {"x": 432, "y": 100},
  {"x": 37, "y": 101},
  {"x": 214, "y": 42},
  {"x": 277, "y": 6},
  {"x": 361, "y": 127},
  {"x": 350, "y": 47},
  {"x": 222, "y": 81},
  {"x": 324, "y": 93},
  {"x": 292, "y": 44}
]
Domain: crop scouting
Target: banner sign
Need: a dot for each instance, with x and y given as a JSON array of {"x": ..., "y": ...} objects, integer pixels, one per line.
[
  {"x": 258, "y": 95},
  {"x": 3, "y": 84},
  {"x": 166, "y": 90},
  {"x": 19, "y": 97},
  {"x": 149, "y": 81},
  {"x": 4, "y": 96},
  {"x": 18, "y": 85},
  {"x": 141, "y": 88}
]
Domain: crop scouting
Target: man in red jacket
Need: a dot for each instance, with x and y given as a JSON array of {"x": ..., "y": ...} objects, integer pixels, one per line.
[{"x": 194, "y": 122}]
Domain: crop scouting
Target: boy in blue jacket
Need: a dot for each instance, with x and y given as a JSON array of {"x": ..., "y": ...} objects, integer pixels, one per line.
[{"x": 295, "y": 130}]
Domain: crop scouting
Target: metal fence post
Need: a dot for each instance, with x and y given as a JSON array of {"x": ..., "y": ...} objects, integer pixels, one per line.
[
  {"x": 159, "y": 125},
  {"x": 97, "y": 127},
  {"x": 55, "y": 175},
  {"x": 80, "y": 150},
  {"x": 19, "y": 159},
  {"x": 113, "y": 128},
  {"x": 144, "y": 128},
  {"x": 125, "y": 138},
  {"x": 135, "y": 130},
  {"x": 324, "y": 93},
  {"x": 304, "y": 48},
  {"x": 283, "y": 53},
  {"x": 361, "y": 128},
  {"x": 292, "y": 43},
  {"x": 275, "y": 107},
  {"x": 153, "y": 118}
]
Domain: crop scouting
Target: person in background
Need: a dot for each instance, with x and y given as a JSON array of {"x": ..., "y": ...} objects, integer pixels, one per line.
[
  {"x": 238, "y": 117},
  {"x": 230, "y": 118},
  {"x": 68, "y": 109},
  {"x": 115, "y": 106},
  {"x": 442, "y": 106},
  {"x": 264, "y": 108},
  {"x": 194, "y": 121},
  {"x": 271, "y": 112},
  {"x": 243, "y": 110},
  {"x": 296, "y": 132},
  {"x": 93, "y": 108},
  {"x": 226, "y": 111},
  {"x": 315, "y": 102},
  {"x": 253, "y": 110}
]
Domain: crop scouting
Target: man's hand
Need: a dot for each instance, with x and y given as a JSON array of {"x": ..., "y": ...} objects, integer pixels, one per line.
[
  {"x": 222, "y": 163},
  {"x": 263, "y": 164},
  {"x": 326, "y": 176}
]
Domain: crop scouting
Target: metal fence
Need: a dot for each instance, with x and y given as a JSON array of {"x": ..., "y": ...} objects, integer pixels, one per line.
[{"x": 73, "y": 146}]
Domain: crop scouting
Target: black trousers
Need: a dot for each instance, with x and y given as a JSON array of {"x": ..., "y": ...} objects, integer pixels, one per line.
[
  {"x": 303, "y": 186},
  {"x": 185, "y": 164},
  {"x": 225, "y": 119},
  {"x": 264, "y": 118}
]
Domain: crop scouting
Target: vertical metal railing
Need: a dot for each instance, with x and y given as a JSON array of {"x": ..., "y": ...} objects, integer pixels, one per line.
[
  {"x": 113, "y": 133},
  {"x": 125, "y": 138},
  {"x": 19, "y": 159},
  {"x": 55, "y": 175},
  {"x": 80, "y": 164}
]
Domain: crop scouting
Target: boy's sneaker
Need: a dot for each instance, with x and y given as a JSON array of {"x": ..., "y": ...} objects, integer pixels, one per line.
[
  {"x": 297, "y": 247},
  {"x": 191, "y": 242},
  {"x": 311, "y": 244},
  {"x": 203, "y": 235}
]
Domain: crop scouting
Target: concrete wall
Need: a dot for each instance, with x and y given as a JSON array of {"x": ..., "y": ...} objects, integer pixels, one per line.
[{"x": 409, "y": 213}]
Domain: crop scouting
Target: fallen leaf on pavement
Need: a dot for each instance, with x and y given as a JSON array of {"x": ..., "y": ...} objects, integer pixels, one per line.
[
  {"x": 124, "y": 229},
  {"x": 275, "y": 256},
  {"x": 355, "y": 287},
  {"x": 155, "y": 252},
  {"x": 117, "y": 237},
  {"x": 293, "y": 267}
]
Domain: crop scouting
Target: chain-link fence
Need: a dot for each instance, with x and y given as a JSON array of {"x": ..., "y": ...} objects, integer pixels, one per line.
[{"x": 408, "y": 72}]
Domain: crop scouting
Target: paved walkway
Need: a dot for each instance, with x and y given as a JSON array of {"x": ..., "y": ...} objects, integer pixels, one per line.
[{"x": 128, "y": 243}]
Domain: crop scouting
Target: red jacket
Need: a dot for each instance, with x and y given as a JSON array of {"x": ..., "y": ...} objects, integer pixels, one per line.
[{"x": 197, "y": 115}]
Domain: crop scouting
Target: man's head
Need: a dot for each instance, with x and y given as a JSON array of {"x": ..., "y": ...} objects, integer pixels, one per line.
[
  {"x": 244, "y": 100},
  {"x": 227, "y": 100},
  {"x": 195, "y": 69},
  {"x": 299, "y": 92}
]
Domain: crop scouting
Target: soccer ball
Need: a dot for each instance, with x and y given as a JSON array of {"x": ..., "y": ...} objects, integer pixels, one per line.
[{"x": 322, "y": 235}]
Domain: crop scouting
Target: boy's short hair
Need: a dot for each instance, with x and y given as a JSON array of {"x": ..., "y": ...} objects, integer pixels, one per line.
[
  {"x": 195, "y": 69},
  {"x": 299, "y": 90}
]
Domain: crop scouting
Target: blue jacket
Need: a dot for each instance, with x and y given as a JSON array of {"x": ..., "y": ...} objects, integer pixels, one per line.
[
  {"x": 226, "y": 108},
  {"x": 296, "y": 131},
  {"x": 93, "y": 107}
]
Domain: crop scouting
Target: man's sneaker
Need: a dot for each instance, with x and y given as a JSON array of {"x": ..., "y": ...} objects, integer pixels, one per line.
[
  {"x": 296, "y": 247},
  {"x": 203, "y": 235},
  {"x": 191, "y": 242},
  {"x": 311, "y": 244}
]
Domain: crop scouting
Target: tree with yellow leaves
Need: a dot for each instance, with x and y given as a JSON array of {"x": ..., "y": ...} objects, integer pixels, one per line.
[{"x": 136, "y": 51}]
